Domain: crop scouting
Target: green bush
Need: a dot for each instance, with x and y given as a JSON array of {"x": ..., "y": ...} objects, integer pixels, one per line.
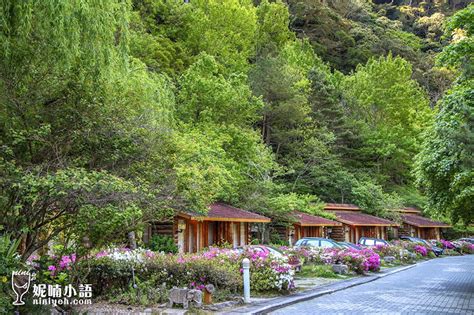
[
  {"x": 9, "y": 261},
  {"x": 113, "y": 279},
  {"x": 163, "y": 243},
  {"x": 451, "y": 252},
  {"x": 318, "y": 271}
]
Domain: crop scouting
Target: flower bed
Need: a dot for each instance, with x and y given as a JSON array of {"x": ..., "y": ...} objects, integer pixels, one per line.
[
  {"x": 144, "y": 277},
  {"x": 466, "y": 247},
  {"x": 359, "y": 261},
  {"x": 128, "y": 276}
]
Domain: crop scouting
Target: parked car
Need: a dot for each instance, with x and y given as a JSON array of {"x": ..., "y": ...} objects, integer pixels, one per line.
[
  {"x": 435, "y": 249},
  {"x": 318, "y": 242},
  {"x": 467, "y": 239},
  {"x": 370, "y": 241},
  {"x": 350, "y": 245}
]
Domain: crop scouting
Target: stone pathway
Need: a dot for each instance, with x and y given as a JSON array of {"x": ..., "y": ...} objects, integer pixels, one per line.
[{"x": 438, "y": 286}]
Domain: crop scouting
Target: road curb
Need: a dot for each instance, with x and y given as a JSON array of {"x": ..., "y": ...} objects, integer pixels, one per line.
[{"x": 311, "y": 294}]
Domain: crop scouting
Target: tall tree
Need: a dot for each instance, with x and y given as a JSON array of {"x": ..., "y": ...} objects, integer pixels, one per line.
[
  {"x": 445, "y": 165},
  {"x": 80, "y": 122},
  {"x": 394, "y": 111}
]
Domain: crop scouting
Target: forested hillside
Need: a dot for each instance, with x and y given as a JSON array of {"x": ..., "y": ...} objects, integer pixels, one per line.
[{"x": 128, "y": 111}]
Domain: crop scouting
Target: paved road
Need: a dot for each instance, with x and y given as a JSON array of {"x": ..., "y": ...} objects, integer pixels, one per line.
[{"x": 438, "y": 286}]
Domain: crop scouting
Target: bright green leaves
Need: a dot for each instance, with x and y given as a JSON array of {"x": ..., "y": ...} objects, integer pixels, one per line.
[
  {"x": 80, "y": 124},
  {"x": 459, "y": 53},
  {"x": 394, "y": 110},
  {"x": 224, "y": 29},
  {"x": 73, "y": 200},
  {"x": 445, "y": 164},
  {"x": 215, "y": 162},
  {"x": 282, "y": 204},
  {"x": 273, "y": 22},
  {"x": 206, "y": 96}
]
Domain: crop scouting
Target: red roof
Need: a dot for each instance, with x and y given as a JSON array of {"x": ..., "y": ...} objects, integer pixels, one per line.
[
  {"x": 340, "y": 206},
  {"x": 305, "y": 219},
  {"x": 362, "y": 219},
  {"x": 409, "y": 210},
  {"x": 420, "y": 221},
  {"x": 224, "y": 212}
]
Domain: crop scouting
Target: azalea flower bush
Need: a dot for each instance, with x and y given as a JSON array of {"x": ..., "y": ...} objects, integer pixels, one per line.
[
  {"x": 447, "y": 244},
  {"x": 410, "y": 252},
  {"x": 359, "y": 261},
  {"x": 52, "y": 268},
  {"x": 466, "y": 247},
  {"x": 115, "y": 271},
  {"x": 304, "y": 254},
  {"x": 423, "y": 251}
]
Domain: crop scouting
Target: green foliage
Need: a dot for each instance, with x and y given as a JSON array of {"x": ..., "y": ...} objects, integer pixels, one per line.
[
  {"x": 9, "y": 261},
  {"x": 460, "y": 51},
  {"x": 217, "y": 162},
  {"x": 317, "y": 271},
  {"x": 80, "y": 124},
  {"x": 445, "y": 163},
  {"x": 224, "y": 29},
  {"x": 163, "y": 243},
  {"x": 458, "y": 231},
  {"x": 113, "y": 278},
  {"x": 394, "y": 110},
  {"x": 372, "y": 198},
  {"x": 115, "y": 114},
  {"x": 282, "y": 204},
  {"x": 206, "y": 96},
  {"x": 272, "y": 29}
]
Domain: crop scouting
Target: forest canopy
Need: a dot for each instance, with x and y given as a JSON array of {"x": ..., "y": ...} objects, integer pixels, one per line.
[{"x": 131, "y": 110}]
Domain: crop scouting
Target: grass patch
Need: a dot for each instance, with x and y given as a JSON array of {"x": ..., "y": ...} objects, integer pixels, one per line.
[{"x": 317, "y": 271}]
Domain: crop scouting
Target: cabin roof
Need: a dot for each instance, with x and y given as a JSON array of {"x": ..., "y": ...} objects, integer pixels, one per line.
[
  {"x": 223, "y": 212},
  {"x": 419, "y": 221},
  {"x": 362, "y": 219},
  {"x": 305, "y": 219},
  {"x": 341, "y": 206},
  {"x": 409, "y": 210}
]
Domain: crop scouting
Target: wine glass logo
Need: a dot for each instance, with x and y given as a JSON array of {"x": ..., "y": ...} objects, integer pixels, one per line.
[{"x": 20, "y": 285}]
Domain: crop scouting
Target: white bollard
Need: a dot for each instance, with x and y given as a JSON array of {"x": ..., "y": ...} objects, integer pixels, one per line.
[{"x": 246, "y": 267}]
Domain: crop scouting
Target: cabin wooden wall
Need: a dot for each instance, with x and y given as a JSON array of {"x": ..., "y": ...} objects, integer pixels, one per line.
[
  {"x": 405, "y": 230},
  {"x": 356, "y": 232},
  {"x": 201, "y": 234},
  {"x": 337, "y": 233}
]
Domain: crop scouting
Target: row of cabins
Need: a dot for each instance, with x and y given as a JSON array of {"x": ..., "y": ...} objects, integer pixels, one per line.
[{"x": 225, "y": 224}]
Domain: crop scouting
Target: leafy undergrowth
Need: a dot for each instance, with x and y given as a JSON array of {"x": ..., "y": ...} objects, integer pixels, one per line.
[{"x": 319, "y": 271}]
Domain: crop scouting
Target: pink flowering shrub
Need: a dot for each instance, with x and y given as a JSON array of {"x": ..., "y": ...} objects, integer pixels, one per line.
[
  {"x": 447, "y": 244},
  {"x": 466, "y": 247},
  {"x": 423, "y": 251},
  {"x": 53, "y": 269},
  {"x": 304, "y": 254},
  {"x": 359, "y": 261},
  {"x": 221, "y": 267},
  {"x": 388, "y": 250}
]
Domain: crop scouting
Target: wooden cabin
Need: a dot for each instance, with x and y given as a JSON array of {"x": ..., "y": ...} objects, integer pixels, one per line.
[
  {"x": 415, "y": 225},
  {"x": 356, "y": 224},
  {"x": 223, "y": 224},
  {"x": 307, "y": 225}
]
